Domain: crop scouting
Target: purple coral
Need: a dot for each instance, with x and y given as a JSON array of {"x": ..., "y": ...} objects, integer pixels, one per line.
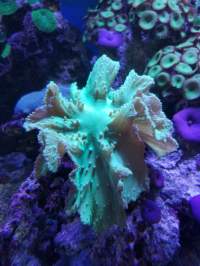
[
  {"x": 195, "y": 207},
  {"x": 109, "y": 38},
  {"x": 187, "y": 124}
]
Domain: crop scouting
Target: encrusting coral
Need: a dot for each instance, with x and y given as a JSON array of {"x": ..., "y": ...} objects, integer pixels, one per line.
[
  {"x": 156, "y": 19},
  {"x": 176, "y": 70},
  {"x": 104, "y": 131}
]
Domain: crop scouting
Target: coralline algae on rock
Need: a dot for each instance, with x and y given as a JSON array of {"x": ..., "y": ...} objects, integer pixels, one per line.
[{"x": 104, "y": 131}]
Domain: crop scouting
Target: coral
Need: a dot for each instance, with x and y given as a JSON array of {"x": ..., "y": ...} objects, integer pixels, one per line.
[
  {"x": 195, "y": 207},
  {"x": 176, "y": 71},
  {"x": 187, "y": 124},
  {"x": 156, "y": 19},
  {"x": 6, "y": 51},
  {"x": 109, "y": 38},
  {"x": 109, "y": 155},
  {"x": 44, "y": 20},
  {"x": 31, "y": 57},
  {"x": 7, "y": 7}
]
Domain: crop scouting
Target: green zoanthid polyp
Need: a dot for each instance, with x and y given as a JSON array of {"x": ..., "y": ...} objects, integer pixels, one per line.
[{"x": 104, "y": 131}]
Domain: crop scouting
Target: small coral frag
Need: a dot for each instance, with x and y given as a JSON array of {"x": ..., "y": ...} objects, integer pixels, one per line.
[
  {"x": 44, "y": 20},
  {"x": 7, "y": 7},
  {"x": 104, "y": 132}
]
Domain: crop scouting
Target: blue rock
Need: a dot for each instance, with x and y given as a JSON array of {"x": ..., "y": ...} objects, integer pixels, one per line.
[{"x": 29, "y": 102}]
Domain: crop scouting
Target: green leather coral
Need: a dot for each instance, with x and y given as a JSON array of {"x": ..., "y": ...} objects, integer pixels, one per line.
[
  {"x": 7, "y": 7},
  {"x": 44, "y": 20},
  {"x": 103, "y": 131}
]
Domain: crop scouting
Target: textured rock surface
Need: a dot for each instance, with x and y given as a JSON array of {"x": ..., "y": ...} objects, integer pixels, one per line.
[
  {"x": 14, "y": 168},
  {"x": 37, "y": 229}
]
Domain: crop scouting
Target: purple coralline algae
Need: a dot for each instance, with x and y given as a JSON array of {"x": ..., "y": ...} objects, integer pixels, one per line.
[
  {"x": 14, "y": 168},
  {"x": 109, "y": 38},
  {"x": 38, "y": 229},
  {"x": 156, "y": 177},
  {"x": 195, "y": 206},
  {"x": 151, "y": 213},
  {"x": 187, "y": 124}
]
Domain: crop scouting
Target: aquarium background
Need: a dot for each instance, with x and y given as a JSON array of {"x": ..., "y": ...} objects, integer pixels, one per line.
[{"x": 99, "y": 133}]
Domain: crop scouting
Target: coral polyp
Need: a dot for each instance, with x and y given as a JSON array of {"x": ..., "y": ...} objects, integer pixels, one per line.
[
  {"x": 156, "y": 19},
  {"x": 104, "y": 131}
]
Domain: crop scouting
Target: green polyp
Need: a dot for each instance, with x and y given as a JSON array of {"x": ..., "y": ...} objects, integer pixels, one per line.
[
  {"x": 107, "y": 14},
  {"x": 176, "y": 21},
  {"x": 161, "y": 31},
  {"x": 172, "y": 4},
  {"x": 6, "y": 51},
  {"x": 198, "y": 46},
  {"x": 183, "y": 34},
  {"x": 184, "y": 69},
  {"x": 7, "y": 7},
  {"x": 186, "y": 8},
  {"x": 195, "y": 30},
  {"x": 164, "y": 17},
  {"x": 168, "y": 49},
  {"x": 131, "y": 15},
  {"x": 190, "y": 56},
  {"x": 196, "y": 21},
  {"x": 162, "y": 79},
  {"x": 120, "y": 27},
  {"x": 136, "y": 3},
  {"x": 159, "y": 4},
  {"x": 177, "y": 81},
  {"x": 169, "y": 60},
  {"x": 187, "y": 43},
  {"x": 196, "y": 76},
  {"x": 33, "y": 1},
  {"x": 44, "y": 20},
  {"x": 155, "y": 59},
  {"x": 196, "y": 25},
  {"x": 192, "y": 89},
  {"x": 111, "y": 22},
  {"x": 116, "y": 5},
  {"x": 148, "y": 19},
  {"x": 154, "y": 71},
  {"x": 100, "y": 23},
  {"x": 123, "y": 18},
  {"x": 190, "y": 17}
]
